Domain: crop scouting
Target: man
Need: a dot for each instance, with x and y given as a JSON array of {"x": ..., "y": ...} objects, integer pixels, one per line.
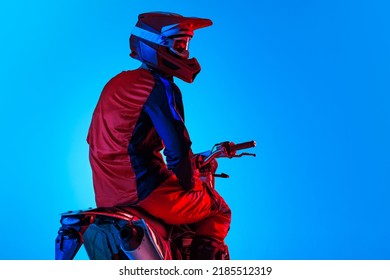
[{"x": 140, "y": 113}]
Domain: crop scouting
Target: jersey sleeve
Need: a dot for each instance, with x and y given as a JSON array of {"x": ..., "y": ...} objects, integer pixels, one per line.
[{"x": 167, "y": 119}]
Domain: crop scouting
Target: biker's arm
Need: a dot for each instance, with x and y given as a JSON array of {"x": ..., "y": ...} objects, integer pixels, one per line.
[{"x": 172, "y": 130}]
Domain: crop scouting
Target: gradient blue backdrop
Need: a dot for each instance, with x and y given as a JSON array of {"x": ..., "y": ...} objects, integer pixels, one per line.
[{"x": 308, "y": 80}]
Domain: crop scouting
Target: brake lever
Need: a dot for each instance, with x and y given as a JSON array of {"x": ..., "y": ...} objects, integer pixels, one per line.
[
  {"x": 245, "y": 154},
  {"x": 222, "y": 175}
]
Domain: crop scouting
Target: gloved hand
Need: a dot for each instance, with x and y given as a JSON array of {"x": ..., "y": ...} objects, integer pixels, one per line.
[
  {"x": 206, "y": 172},
  {"x": 209, "y": 168}
]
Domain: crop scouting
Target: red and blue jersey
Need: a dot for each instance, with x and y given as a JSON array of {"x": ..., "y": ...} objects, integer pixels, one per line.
[{"x": 139, "y": 114}]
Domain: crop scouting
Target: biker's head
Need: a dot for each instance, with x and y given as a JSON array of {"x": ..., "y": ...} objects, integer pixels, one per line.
[{"x": 161, "y": 41}]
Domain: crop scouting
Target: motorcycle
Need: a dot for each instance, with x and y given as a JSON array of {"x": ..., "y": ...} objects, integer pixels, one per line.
[{"x": 129, "y": 232}]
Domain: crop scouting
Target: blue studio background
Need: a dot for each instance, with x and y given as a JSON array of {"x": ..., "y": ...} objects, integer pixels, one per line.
[{"x": 308, "y": 80}]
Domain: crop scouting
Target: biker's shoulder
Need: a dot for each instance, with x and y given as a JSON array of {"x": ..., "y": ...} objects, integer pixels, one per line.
[
  {"x": 139, "y": 81},
  {"x": 139, "y": 75}
]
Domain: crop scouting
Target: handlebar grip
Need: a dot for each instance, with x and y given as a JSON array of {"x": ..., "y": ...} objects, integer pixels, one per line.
[{"x": 241, "y": 146}]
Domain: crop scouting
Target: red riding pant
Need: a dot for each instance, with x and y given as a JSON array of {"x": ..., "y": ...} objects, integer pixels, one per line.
[{"x": 202, "y": 207}]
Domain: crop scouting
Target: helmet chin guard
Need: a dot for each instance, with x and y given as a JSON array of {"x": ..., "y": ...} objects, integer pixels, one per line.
[{"x": 161, "y": 40}]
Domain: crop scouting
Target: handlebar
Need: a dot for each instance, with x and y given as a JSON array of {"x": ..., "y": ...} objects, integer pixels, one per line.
[
  {"x": 224, "y": 149},
  {"x": 241, "y": 146}
]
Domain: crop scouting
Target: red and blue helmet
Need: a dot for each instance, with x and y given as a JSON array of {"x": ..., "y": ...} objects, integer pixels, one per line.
[{"x": 161, "y": 41}]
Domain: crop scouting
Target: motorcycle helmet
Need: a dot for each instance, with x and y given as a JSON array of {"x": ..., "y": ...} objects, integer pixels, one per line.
[{"x": 161, "y": 41}]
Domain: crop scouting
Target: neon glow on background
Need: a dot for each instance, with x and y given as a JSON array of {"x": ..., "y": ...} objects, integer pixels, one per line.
[{"x": 308, "y": 80}]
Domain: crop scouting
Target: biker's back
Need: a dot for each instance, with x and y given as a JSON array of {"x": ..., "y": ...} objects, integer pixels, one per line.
[{"x": 124, "y": 146}]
